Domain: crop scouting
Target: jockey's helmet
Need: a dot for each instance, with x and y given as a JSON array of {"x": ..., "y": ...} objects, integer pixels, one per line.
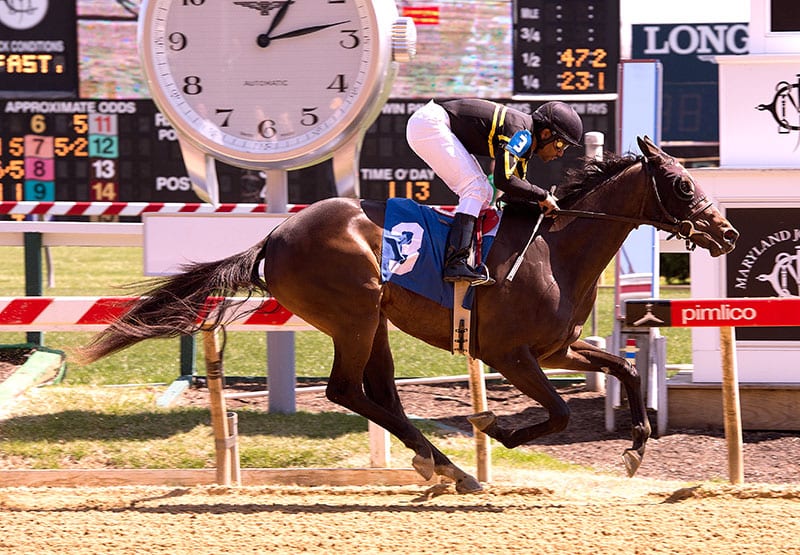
[{"x": 562, "y": 119}]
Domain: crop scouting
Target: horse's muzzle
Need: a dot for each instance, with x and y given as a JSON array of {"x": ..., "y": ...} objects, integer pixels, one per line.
[
  {"x": 713, "y": 232},
  {"x": 730, "y": 236},
  {"x": 725, "y": 244}
]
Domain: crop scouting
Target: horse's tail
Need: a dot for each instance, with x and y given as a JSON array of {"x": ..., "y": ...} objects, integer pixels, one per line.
[{"x": 176, "y": 305}]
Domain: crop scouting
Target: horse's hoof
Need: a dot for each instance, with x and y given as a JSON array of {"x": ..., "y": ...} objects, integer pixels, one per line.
[
  {"x": 482, "y": 420},
  {"x": 423, "y": 465},
  {"x": 632, "y": 459},
  {"x": 468, "y": 484},
  {"x": 463, "y": 481}
]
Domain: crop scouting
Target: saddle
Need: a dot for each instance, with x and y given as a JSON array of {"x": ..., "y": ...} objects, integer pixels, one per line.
[{"x": 414, "y": 238}]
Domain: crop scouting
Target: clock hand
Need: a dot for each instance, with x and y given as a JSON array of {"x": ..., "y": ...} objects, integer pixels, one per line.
[
  {"x": 297, "y": 33},
  {"x": 265, "y": 37}
]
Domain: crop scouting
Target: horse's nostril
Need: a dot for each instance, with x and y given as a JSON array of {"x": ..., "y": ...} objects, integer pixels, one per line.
[{"x": 731, "y": 235}]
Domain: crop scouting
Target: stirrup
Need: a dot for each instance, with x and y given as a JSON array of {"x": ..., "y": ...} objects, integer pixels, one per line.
[
  {"x": 461, "y": 271},
  {"x": 485, "y": 279}
]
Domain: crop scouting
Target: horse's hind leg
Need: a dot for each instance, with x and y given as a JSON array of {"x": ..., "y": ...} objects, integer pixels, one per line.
[{"x": 380, "y": 387}]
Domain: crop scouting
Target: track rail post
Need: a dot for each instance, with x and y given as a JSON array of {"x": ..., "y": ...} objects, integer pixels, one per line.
[
  {"x": 33, "y": 276},
  {"x": 483, "y": 446},
  {"x": 219, "y": 418},
  {"x": 477, "y": 385}
]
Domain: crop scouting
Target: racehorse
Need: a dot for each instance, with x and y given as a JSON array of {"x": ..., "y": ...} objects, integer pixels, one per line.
[{"x": 323, "y": 264}]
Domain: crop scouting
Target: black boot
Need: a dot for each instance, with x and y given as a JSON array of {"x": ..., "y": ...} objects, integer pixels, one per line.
[{"x": 459, "y": 244}]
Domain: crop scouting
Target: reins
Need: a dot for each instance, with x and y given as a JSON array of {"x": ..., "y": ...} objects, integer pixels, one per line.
[{"x": 602, "y": 216}]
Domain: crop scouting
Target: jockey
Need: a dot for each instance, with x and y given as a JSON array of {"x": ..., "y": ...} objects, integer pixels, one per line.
[{"x": 448, "y": 135}]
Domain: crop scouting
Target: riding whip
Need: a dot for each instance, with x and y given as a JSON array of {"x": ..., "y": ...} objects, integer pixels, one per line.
[{"x": 518, "y": 262}]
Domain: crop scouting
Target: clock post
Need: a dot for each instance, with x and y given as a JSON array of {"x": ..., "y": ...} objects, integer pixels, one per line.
[{"x": 280, "y": 344}]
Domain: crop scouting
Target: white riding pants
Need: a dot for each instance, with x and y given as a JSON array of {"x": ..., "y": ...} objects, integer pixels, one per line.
[{"x": 428, "y": 133}]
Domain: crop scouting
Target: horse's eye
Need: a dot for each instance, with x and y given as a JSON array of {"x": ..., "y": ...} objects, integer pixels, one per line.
[{"x": 684, "y": 188}]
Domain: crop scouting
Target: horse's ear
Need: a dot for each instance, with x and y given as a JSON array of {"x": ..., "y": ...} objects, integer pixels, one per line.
[{"x": 648, "y": 148}]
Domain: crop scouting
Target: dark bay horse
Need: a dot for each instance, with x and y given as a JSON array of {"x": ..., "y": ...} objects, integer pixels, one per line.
[{"x": 323, "y": 264}]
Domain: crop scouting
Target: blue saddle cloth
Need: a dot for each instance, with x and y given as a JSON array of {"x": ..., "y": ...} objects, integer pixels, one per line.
[{"x": 414, "y": 238}]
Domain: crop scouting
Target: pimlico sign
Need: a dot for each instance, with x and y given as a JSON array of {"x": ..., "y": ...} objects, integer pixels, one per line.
[{"x": 730, "y": 312}]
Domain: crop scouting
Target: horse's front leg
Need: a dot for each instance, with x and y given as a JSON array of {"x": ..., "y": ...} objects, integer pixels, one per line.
[
  {"x": 585, "y": 357},
  {"x": 521, "y": 369}
]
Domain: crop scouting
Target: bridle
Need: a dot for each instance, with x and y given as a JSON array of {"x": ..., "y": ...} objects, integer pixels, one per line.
[{"x": 677, "y": 227}]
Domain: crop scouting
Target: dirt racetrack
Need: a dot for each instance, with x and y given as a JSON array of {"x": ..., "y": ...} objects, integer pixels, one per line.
[
  {"x": 567, "y": 514},
  {"x": 537, "y": 512}
]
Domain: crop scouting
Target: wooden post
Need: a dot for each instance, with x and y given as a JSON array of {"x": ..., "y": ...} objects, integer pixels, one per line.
[
  {"x": 483, "y": 447},
  {"x": 219, "y": 420},
  {"x": 477, "y": 386},
  {"x": 379, "y": 452},
  {"x": 732, "y": 415}
]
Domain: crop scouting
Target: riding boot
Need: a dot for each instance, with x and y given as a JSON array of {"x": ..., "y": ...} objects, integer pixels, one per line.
[{"x": 459, "y": 245}]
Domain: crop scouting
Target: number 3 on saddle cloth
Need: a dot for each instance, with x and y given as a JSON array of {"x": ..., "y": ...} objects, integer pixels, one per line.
[{"x": 414, "y": 239}]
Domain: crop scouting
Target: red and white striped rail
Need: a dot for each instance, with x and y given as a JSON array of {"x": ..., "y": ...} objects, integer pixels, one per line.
[
  {"x": 95, "y": 313},
  {"x": 69, "y": 208}
]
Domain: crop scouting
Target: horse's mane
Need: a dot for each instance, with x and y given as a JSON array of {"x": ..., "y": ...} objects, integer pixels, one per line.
[
  {"x": 590, "y": 174},
  {"x": 578, "y": 182}
]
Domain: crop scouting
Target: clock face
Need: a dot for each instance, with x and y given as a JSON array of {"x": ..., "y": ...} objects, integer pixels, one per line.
[{"x": 262, "y": 81}]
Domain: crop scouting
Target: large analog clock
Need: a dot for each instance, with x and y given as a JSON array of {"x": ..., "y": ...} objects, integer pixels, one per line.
[{"x": 279, "y": 84}]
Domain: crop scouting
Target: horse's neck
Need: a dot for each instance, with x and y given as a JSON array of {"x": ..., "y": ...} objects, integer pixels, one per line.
[
  {"x": 593, "y": 243},
  {"x": 587, "y": 244}
]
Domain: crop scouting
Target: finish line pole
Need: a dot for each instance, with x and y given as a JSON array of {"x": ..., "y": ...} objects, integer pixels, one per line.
[{"x": 731, "y": 410}]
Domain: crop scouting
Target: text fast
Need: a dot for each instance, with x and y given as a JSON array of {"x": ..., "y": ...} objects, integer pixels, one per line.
[{"x": 29, "y": 63}]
